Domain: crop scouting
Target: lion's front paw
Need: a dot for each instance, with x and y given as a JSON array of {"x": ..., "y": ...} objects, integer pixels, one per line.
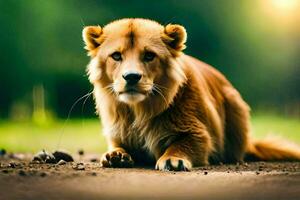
[
  {"x": 116, "y": 159},
  {"x": 173, "y": 164}
]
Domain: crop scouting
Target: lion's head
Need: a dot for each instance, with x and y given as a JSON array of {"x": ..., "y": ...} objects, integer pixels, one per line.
[{"x": 136, "y": 59}]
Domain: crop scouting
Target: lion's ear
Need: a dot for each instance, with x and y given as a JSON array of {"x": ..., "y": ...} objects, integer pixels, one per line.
[
  {"x": 92, "y": 37},
  {"x": 175, "y": 37}
]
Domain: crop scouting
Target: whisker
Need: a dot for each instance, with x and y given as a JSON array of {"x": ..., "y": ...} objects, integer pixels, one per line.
[
  {"x": 160, "y": 93},
  {"x": 160, "y": 86},
  {"x": 155, "y": 84},
  {"x": 68, "y": 116},
  {"x": 83, "y": 105},
  {"x": 109, "y": 90},
  {"x": 84, "y": 102},
  {"x": 110, "y": 86}
]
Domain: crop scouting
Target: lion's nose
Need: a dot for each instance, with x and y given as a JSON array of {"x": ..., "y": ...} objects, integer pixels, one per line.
[{"x": 132, "y": 77}]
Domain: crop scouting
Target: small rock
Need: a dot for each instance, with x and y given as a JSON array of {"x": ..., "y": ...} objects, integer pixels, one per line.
[
  {"x": 43, "y": 174},
  {"x": 205, "y": 173},
  {"x": 35, "y": 162},
  {"x": 257, "y": 173},
  {"x": 44, "y": 157},
  {"x": 81, "y": 152},
  {"x": 94, "y": 174},
  {"x": 94, "y": 160},
  {"x": 2, "y": 152},
  {"x": 79, "y": 166},
  {"x": 260, "y": 168},
  {"x": 22, "y": 173},
  {"x": 12, "y": 165},
  {"x": 60, "y": 155},
  {"x": 5, "y": 171},
  {"x": 61, "y": 162}
]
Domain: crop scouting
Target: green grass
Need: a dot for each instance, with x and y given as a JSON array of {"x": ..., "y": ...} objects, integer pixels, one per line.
[
  {"x": 71, "y": 136},
  {"x": 268, "y": 124},
  {"x": 86, "y": 134}
]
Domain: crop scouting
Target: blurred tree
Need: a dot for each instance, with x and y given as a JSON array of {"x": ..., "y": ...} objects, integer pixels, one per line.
[{"x": 254, "y": 46}]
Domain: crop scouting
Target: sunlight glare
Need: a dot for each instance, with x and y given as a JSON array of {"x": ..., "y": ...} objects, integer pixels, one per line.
[{"x": 286, "y": 5}]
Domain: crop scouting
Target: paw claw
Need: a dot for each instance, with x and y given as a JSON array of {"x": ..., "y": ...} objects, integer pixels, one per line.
[
  {"x": 173, "y": 164},
  {"x": 168, "y": 165},
  {"x": 126, "y": 156}
]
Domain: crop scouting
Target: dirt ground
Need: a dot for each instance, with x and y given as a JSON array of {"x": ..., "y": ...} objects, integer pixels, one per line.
[{"x": 84, "y": 179}]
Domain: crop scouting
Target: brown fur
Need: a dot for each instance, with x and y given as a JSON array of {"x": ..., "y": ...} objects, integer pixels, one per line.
[{"x": 186, "y": 113}]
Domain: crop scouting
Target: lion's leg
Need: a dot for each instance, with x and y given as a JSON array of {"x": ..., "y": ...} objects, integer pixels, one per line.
[
  {"x": 188, "y": 151},
  {"x": 237, "y": 126}
]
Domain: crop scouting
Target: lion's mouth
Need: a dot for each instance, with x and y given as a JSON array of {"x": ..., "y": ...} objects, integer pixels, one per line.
[
  {"x": 131, "y": 96},
  {"x": 132, "y": 91}
]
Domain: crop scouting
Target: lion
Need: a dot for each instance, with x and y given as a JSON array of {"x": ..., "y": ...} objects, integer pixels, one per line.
[{"x": 161, "y": 107}]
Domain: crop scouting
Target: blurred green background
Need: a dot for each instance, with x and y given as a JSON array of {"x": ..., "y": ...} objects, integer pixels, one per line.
[{"x": 255, "y": 43}]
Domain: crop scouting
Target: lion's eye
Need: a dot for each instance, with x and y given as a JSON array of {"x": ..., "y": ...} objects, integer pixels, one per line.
[
  {"x": 149, "y": 56},
  {"x": 116, "y": 56}
]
